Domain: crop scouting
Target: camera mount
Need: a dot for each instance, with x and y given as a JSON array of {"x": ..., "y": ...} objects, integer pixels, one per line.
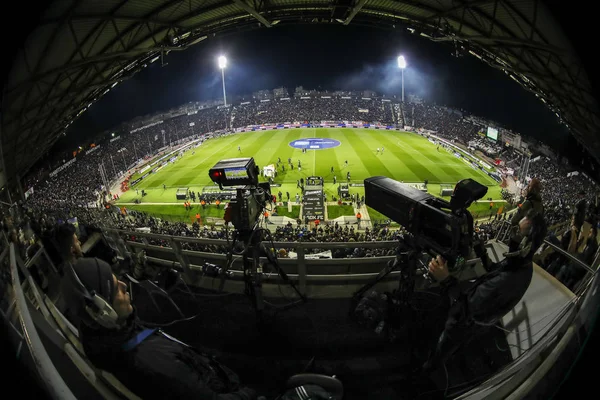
[{"x": 244, "y": 213}]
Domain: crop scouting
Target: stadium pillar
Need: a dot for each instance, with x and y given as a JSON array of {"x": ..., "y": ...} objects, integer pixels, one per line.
[
  {"x": 222, "y": 64},
  {"x": 402, "y": 66},
  {"x": 403, "y": 85},
  {"x": 224, "y": 93}
]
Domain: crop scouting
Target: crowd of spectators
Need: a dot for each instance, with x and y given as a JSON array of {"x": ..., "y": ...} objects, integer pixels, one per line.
[
  {"x": 447, "y": 123},
  {"x": 486, "y": 146},
  {"x": 313, "y": 109},
  {"x": 546, "y": 170},
  {"x": 560, "y": 191}
]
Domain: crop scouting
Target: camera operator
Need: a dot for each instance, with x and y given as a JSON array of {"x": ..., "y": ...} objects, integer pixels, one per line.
[{"x": 492, "y": 295}]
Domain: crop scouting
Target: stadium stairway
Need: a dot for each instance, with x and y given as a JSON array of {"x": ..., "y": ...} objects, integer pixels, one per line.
[{"x": 365, "y": 220}]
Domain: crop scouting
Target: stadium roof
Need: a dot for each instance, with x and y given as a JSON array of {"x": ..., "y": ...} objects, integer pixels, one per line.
[{"x": 82, "y": 48}]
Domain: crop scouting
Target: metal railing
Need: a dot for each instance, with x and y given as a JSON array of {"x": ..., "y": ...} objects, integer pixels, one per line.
[
  {"x": 47, "y": 373},
  {"x": 301, "y": 269},
  {"x": 523, "y": 374}
]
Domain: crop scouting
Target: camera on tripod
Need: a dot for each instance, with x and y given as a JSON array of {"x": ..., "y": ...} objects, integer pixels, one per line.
[
  {"x": 438, "y": 226},
  {"x": 251, "y": 198},
  {"x": 244, "y": 212},
  {"x": 434, "y": 226}
]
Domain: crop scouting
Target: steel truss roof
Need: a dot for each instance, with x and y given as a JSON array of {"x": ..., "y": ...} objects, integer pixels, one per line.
[{"x": 82, "y": 48}]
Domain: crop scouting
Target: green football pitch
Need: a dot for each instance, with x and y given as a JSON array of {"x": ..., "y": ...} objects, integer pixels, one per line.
[{"x": 407, "y": 157}]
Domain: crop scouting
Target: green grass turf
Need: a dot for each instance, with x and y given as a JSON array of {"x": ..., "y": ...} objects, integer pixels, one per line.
[
  {"x": 407, "y": 157},
  {"x": 337, "y": 211},
  {"x": 283, "y": 212},
  {"x": 177, "y": 212},
  {"x": 376, "y": 216}
]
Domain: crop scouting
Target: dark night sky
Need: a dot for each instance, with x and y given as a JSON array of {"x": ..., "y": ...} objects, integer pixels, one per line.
[{"x": 326, "y": 57}]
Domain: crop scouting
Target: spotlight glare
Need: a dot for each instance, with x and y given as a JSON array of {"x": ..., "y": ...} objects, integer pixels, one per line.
[
  {"x": 222, "y": 62},
  {"x": 401, "y": 62}
]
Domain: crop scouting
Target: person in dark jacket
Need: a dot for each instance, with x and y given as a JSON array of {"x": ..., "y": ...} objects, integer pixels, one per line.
[
  {"x": 148, "y": 362},
  {"x": 571, "y": 273},
  {"x": 493, "y": 295},
  {"x": 533, "y": 200},
  {"x": 569, "y": 242}
]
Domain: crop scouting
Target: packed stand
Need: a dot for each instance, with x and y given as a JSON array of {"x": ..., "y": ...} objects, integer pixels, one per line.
[
  {"x": 448, "y": 124},
  {"x": 314, "y": 109},
  {"x": 486, "y": 146},
  {"x": 559, "y": 191}
]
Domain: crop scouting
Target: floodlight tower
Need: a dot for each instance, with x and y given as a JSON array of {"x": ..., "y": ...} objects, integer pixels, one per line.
[
  {"x": 402, "y": 65},
  {"x": 222, "y": 65}
]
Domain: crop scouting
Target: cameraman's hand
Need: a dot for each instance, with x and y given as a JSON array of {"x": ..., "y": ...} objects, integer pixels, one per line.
[{"x": 438, "y": 268}]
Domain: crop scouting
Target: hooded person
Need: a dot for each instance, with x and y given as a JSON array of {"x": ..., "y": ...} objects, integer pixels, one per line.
[
  {"x": 492, "y": 295},
  {"x": 148, "y": 362}
]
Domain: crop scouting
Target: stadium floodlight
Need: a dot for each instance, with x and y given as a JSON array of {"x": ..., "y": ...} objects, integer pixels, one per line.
[
  {"x": 402, "y": 66},
  {"x": 222, "y": 62},
  {"x": 222, "y": 65}
]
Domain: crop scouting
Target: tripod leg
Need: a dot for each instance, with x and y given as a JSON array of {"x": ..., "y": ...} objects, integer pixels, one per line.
[
  {"x": 257, "y": 272},
  {"x": 286, "y": 279}
]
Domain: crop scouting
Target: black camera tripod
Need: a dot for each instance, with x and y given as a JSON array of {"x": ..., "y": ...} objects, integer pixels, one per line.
[
  {"x": 253, "y": 273},
  {"x": 406, "y": 262},
  {"x": 401, "y": 315}
]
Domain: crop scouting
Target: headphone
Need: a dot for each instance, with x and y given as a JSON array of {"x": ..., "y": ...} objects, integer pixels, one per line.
[{"x": 97, "y": 307}]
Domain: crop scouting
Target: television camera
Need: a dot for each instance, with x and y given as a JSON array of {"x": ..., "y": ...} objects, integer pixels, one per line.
[
  {"x": 244, "y": 212},
  {"x": 251, "y": 197},
  {"x": 435, "y": 227},
  {"x": 438, "y": 226}
]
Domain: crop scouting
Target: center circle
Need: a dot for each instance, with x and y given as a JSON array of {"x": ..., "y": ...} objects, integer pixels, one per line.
[{"x": 315, "y": 143}]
